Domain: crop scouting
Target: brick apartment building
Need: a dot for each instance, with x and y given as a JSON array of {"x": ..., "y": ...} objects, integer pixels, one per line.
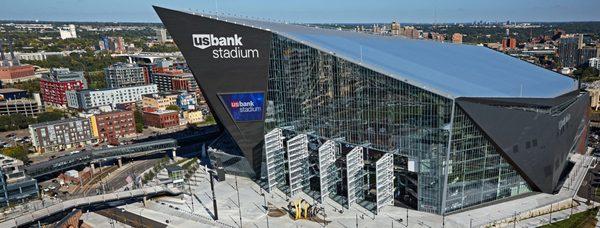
[
  {"x": 161, "y": 118},
  {"x": 110, "y": 126},
  {"x": 61, "y": 134},
  {"x": 54, "y": 85},
  {"x": 12, "y": 74}
]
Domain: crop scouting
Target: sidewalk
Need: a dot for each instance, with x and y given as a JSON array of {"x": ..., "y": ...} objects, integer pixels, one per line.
[{"x": 502, "y": 214}]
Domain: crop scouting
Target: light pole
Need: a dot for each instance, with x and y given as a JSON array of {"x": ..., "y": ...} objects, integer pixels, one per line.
[
  {"x": 238, "y": 198},
  {"x": 141, "y": 223},
  {"x": 550, "y": 213},
  {"x": 266, "y": 207},
  {"x": 212, "y": 188}
]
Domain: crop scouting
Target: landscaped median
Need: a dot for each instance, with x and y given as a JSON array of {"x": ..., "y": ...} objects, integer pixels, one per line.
[{"x": 585, "y": 219}]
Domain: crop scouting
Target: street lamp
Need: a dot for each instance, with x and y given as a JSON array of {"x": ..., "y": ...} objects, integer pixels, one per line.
[{"x": 238, "y": 198}]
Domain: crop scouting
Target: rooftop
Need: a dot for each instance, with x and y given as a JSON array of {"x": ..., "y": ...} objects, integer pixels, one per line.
[
  {"x": 160, "y": 112},
  {"x": 56, "y": 122},
  {"x": 11, "y": 90},
  {"x": 451, "y": 70},
  {"x": 173, "y": 168}
]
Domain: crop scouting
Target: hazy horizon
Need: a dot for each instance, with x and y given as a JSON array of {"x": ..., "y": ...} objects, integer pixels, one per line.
[{"x": 309, "y": 11}]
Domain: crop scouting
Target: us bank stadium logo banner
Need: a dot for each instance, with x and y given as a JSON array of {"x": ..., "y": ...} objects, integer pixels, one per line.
[
  {"x": 244, "y": 106},
  {"x": 225, "y": 47}
]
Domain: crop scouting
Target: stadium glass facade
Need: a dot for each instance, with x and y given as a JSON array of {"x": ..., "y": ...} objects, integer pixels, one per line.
[
  {"x": 376, "y": 121},
  {"x": 316, "y": 92}
]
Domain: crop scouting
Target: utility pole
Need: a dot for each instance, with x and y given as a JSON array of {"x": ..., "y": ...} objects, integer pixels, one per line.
[
  {"x": 239, "y": 204},
  {"x": 515, "y": 220},
  {"x": 356, "y": 220}
]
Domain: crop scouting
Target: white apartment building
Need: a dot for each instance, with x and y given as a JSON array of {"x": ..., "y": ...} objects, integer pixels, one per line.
[
  {"x": 87, "y": 99},
  {"x": 595, "y": 63}
]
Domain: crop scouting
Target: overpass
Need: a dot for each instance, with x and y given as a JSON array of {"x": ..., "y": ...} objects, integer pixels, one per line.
[
  {"x": 88, "y": 201},
  {"x": 86, "y": 157},
  {"x": 149, "y": 57}
]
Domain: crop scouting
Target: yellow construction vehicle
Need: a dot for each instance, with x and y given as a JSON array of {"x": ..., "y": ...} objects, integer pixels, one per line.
[{"x": 300, "y": 209}]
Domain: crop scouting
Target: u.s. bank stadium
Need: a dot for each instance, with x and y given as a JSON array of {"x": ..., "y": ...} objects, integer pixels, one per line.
[{"x": 375, "y": 120}]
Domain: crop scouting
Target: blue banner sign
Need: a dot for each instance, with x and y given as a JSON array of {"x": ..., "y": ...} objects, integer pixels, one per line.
[{"x": 244, "y": 106}]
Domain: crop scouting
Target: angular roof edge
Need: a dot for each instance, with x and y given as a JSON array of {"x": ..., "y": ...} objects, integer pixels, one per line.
[{"x": 447, "y": 69}]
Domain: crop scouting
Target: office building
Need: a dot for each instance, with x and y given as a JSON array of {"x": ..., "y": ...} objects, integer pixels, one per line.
[
  {"x": 54, "y": 85},
  {"x": 509, "y": 43},
  {"x": 110, "y": 126},
  {"x": 158, "y": 101},
  {"x": 161, "y": 35},
  {"x": 433, "y": 126},
  {"x": 173, "y": 80},
  {"x": 457, "y": 38},
  {"x": 121, "y": 75},
  {"x": 16, "y": 187},
  {"x": 61, "y": 134},
  {"x": 112, "y": 44},
  {"x": 585, "y": 54},
  {"x": 24, "y": 106},
  {"x": 161, "y": 118},
  {"x": 12, "y": 74},
  {"x": 568, "y": 51},
  {"x": 395, "y": 28},
  {"x": 87, "y": 99},
  {"x": 193, "y": 117},
  {"x": 68, "y": 32}
]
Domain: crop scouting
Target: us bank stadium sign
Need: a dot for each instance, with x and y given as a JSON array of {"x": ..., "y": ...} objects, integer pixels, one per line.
[
  {"x": 225, "y": 47},
  {"x": 244, "y": 106}
]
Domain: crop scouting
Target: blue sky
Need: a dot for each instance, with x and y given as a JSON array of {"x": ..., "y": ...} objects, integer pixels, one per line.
[{"x": 310, "y": 11}]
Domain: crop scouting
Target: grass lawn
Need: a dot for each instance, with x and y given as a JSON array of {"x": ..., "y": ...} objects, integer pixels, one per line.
[{"x": 582, "y": 219}]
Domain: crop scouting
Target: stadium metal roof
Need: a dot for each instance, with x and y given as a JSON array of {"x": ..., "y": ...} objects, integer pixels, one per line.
[{"x": 451, "y": 70}]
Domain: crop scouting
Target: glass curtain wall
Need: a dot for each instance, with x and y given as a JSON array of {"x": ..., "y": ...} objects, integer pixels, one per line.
[
  {"x": 477, "y": 173},
  {"x": 318, "y": 93}
]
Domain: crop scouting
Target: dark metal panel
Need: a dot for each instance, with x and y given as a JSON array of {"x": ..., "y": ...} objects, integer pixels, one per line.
[
  {"x": 217, "y": 73},
  {"x": 536, "y": 144}
]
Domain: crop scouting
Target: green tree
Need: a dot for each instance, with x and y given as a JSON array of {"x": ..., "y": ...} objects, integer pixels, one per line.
[
  {"x": 210, "y": 120},
  {"x": 15, "y": 122},
  {"x": 17, "y": 152},
  {"x": 173, "y": 108},
  {"x": 32, "y": 86},
  {"x": 50, "y": 116},
  {"x": 96, "y": 80},
  {"x": 588, "y": 74},
  {"x": 139, "y": 121}
]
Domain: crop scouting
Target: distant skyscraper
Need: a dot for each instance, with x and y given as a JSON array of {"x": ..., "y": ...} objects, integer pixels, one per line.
[
  {"x": 161, "y": 35},
  {"x": 509, "y": 43},
  {"x": 457, "y": 38},
  {"x": 585, "y": 54},
  {"x": 114, "y": 44},
  {"x": 395, "y": 28},
  {"x": 568, "y": 52}
]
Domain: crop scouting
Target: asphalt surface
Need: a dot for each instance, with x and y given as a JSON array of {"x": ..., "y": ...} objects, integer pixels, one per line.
[
  {"x": 118, "y": 179},
  {"x": 129, "y": 218},
  {"x": 588, "y": 190}
]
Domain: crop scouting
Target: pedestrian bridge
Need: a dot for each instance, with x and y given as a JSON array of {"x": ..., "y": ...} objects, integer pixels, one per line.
[
  {"x": 88, "y": 201},
  {"x": 83, "y": 158}
]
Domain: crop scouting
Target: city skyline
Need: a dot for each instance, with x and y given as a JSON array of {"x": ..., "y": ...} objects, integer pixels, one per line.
[{"x": 428, "y": 11}]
